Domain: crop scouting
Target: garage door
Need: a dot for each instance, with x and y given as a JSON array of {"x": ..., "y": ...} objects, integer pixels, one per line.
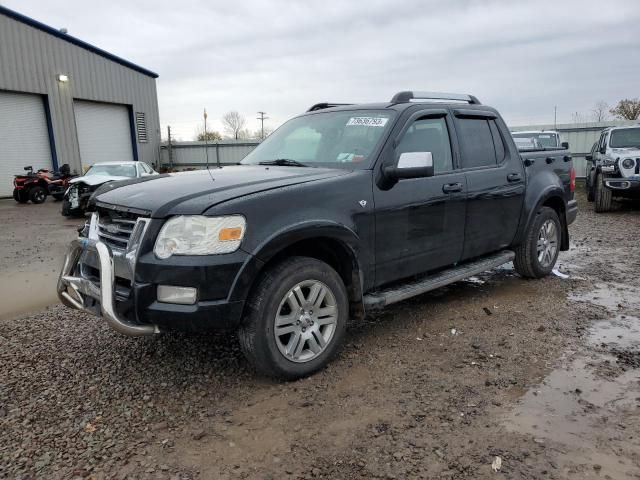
[
  {"x": 104, "y": 132},
  {"x": 24, "y": 138}
]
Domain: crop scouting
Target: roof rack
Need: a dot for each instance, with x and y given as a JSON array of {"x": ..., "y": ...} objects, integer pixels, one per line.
[
  {"x": 320, "y": 106},
  {"x": 407, "y": 96}
]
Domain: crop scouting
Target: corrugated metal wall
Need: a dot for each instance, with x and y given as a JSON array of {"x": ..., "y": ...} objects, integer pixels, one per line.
[
  {"x": 193, "y": 154},
  {"x": 581, "y": 137},
  {"x": 30, "y": 59}
]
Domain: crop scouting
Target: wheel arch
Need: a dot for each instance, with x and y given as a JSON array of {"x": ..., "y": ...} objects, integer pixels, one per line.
[
  {"x": 552, "y": 197},
  {"x": 331, "y": 243}
]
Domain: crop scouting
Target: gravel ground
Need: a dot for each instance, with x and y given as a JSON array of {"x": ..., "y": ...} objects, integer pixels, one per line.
[{"x": 435, "y": 387}]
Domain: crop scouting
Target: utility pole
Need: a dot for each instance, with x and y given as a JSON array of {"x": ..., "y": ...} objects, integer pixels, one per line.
[
  {"x": 206, "y": 143},
  {"x": 555, "y": 116},
  {"x": 262, "y": 118},
  {"x": 170, "y": 146}
]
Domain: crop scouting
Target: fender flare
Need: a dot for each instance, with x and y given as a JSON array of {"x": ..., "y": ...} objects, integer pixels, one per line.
[
  {"x": 552, "y": 191},
  {"x": 288, "y": 236}
]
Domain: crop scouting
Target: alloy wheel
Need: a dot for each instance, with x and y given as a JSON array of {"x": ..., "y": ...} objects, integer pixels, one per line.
[
  {"x": 305, "y": 321},
  {"x": 547, "y": 244}
]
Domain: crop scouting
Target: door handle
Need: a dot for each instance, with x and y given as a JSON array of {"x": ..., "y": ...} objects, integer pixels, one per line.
[
  {"x": 514, "y": 177},
  {"x": 550, "y": 159},
  {"x": 452, "y": 187},
  {"x": 567, "y": 158}
]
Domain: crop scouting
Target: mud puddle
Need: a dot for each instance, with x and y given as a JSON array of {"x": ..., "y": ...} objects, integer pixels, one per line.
[
  {"x": 576, "y": 411},
  {"x": 612, "y": 296},
  {"x": 622, "y": 331},
  {"x": 27, "y": 292}
]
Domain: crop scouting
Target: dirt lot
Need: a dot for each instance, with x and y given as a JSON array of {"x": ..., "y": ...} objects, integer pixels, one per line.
[{"x": 543, "y": 374}]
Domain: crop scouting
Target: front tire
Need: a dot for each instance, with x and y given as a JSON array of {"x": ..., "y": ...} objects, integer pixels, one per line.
[
  {"x": 37, "y": 195},
  {"x": 295, "y": 319},
  {"x": 603, "y": 200},
  {"x": 537, "y": 255},
  {"x": 67, "y": 211},
  {"x": 20, "y": 196}
]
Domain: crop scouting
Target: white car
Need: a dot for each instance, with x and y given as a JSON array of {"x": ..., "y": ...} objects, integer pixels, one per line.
[{"x": 77, "y": 195}]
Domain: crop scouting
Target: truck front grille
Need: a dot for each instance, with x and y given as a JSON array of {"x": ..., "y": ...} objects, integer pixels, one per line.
[{"x": 115, "y": 228}]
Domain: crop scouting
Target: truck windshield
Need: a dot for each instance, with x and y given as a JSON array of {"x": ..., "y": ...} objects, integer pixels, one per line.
[
  {"x": 342, "y": 139},
  {"x": 546, "y": 140},
  {"x": 624, "y": 138}
]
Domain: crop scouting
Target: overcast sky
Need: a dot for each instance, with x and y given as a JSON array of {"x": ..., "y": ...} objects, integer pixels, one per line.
[{"x": 522, "y": 57}]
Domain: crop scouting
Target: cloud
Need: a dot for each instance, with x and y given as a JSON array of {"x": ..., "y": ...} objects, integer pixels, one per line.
[{"x": 522, "y": 57}]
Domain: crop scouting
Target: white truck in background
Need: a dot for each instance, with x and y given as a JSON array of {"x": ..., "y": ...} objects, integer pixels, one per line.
[
  {"x": 613, "y": 167},
  {"x": 545, "y": 138}
]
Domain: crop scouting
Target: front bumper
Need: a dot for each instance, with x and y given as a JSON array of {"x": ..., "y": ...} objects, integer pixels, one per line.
[
  {"x": 76, "y": 291},
  {"x": 88, "y": 282},
  {"x": 119, "y": 283},
  {"x": 623, "y": 184}
]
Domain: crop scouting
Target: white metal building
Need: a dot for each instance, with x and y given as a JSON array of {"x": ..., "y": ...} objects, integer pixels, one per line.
[{"x": 64, "y": 101}]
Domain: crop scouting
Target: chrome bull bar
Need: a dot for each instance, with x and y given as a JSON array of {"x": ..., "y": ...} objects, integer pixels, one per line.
[{"x": 73, "y": 290}]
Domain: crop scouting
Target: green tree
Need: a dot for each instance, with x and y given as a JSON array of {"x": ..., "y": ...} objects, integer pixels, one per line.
[{"x": 627, "y": 109}]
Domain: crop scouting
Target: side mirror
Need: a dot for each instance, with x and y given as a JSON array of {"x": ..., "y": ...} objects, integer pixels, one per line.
[
  {"x": 603, "y": 150},
  {"x": 411, "y": 165},
  {"x": 565, "y": 145},
  {"x": 588, "y": 158},
  {"x": 26, "y": 169}
]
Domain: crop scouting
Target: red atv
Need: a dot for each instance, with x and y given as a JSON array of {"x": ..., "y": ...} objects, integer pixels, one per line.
[{"x": 36, "y": 186}]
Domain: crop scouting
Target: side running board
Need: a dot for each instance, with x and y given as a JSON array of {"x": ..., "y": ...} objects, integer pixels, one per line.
[{"x": 395, "y": 294}]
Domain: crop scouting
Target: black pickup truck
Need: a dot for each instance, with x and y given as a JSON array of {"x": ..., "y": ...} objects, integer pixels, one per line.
[{"x": 342, "y": 210}]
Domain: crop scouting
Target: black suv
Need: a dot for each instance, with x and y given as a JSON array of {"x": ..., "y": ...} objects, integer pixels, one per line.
[{"x": 344, "y": 209}]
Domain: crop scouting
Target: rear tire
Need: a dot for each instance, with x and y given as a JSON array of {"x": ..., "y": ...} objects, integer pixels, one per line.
[
  {"x": 537, "y": 255},
  {"x": 589, "y": 187},
  {"x": 37, "y": 195},
  {"x": 295, "y": 319},
  {"x": 20, "y": 195},
  {"x": 603, "y": 197}
]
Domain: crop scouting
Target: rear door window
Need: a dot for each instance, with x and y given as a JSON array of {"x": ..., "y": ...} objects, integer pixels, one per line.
[
  {"x": 476, "y": 143},
  {"x": 497, "y": 141}
]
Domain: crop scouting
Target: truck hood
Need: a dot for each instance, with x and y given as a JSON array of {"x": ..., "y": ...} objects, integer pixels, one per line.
[
  {"x": 93, "y": 180},
  {"x": 191, "y": 193},
  {"x": 626, "y": 152}
]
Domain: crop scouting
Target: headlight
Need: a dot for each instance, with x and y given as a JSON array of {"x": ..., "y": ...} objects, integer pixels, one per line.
[
  {"x": 199, "y": 235},
  {"x": 628, "y": 163}
]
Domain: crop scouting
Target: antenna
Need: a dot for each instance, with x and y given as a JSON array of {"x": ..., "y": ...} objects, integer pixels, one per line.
[{"x": 206, "y": 143}]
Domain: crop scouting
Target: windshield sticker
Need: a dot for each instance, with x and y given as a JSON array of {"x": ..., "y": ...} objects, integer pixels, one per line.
[
  {"x": 367, "y": 121},
  {"x": 349, "y": 157}
]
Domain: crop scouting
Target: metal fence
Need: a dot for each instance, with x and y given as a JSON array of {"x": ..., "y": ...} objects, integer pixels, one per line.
[
  {"x": 581, "y": 137},
  {"x": 182, "y": 155}
]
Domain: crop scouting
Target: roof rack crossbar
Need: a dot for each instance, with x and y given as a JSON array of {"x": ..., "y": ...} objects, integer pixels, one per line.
[
  {"x": 407, "y": 96},
  {"x": 320, "y": 106}
]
